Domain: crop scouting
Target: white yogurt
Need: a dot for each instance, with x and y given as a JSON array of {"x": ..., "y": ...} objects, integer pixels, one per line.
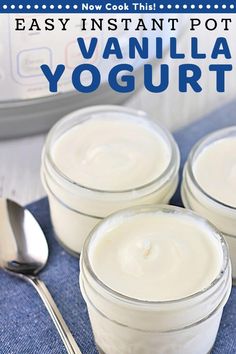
[
  {"x": 111, "y": 152},
  {"x": 209, "y": 183},
  {"x": 155, "y": 280},
  {"x": 215, "y": 170},
  {"x": 101, "y": 159},
  {"x": 154, "y": 257}
]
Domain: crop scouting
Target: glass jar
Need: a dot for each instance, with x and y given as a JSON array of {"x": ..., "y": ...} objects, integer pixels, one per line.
[
  {"x": 122, "y": 324},
  {"x": 196, "y": 198},
  {"x": 76, "y": 209}
]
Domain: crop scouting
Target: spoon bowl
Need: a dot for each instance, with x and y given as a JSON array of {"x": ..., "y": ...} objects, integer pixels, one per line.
[
  {"x": 23, "y": 247},
  {"x": 24, "y": 252}
]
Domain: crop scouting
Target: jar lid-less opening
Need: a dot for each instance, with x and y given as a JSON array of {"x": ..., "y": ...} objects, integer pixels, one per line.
[
  {"x": 78, "y": 117},
  {"x": 195, "y": 152},
  {"x": 85, "y": 258}
]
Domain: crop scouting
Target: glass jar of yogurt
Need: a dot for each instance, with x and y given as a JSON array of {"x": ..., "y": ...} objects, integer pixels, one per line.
[
  {"x": 102, "y": 159},
  {"x": 209, "y": 183},
  {"x": 155, "y": 280}
]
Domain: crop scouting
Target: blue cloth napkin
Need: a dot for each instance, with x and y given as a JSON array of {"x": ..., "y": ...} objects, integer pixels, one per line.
[{"x": 25, "y": 326}]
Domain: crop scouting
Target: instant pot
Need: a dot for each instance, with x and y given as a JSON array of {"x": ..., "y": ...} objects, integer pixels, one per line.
[{"x": 26, "y": 105}]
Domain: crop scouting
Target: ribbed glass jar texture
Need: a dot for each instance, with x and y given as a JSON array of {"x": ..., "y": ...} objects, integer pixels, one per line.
[
  {"x": 76, "y": 209},
  {"x": 127, "y": 325},
  {"x": 194, "y": 197}
]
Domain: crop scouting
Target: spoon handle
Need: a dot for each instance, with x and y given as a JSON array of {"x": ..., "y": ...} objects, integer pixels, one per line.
[{"x": 66, "y": 336}]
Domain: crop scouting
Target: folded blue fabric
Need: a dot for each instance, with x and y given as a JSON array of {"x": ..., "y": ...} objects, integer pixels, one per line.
[{"x": 25, "y": 326}]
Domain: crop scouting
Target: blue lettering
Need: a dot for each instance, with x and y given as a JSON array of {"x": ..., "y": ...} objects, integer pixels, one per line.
[
  {"x": 173, "y": 49},
  {"x": 220, "y": 75},
  {"x": 134, "y": 45},
  {"x": 127, "y": 79},
  {"x": 192, "y": 80},
  {"x": 148, "y": 79},
  {"x": 112, "y": 48},
  {"x": 53, "y": 78},
  {"x": 221, "y": 48},
  {"x": 76, "y": 78},
  {"x": 87, "y": 53},
  {"x": 195, "y": 53}
]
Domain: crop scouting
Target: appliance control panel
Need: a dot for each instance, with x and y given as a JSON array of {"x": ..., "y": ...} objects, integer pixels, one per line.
[{"x": 23, "y": 51}]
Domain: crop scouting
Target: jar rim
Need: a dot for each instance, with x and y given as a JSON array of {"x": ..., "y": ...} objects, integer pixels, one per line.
[
  {"x": 87, "y": 113},
  {"x": 207, "y": 140},
  {"x": 149, "y": 209},
  {"x": 175, "y": 330}
]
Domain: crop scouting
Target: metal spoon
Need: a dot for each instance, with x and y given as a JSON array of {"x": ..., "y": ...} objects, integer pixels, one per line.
[{"x": 24, "y": 252}]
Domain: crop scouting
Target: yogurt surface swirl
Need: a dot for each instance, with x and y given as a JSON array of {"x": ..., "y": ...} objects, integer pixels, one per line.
[
  {"x": 157, "y": 256},
  {"x": 112, "y": 153}
]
